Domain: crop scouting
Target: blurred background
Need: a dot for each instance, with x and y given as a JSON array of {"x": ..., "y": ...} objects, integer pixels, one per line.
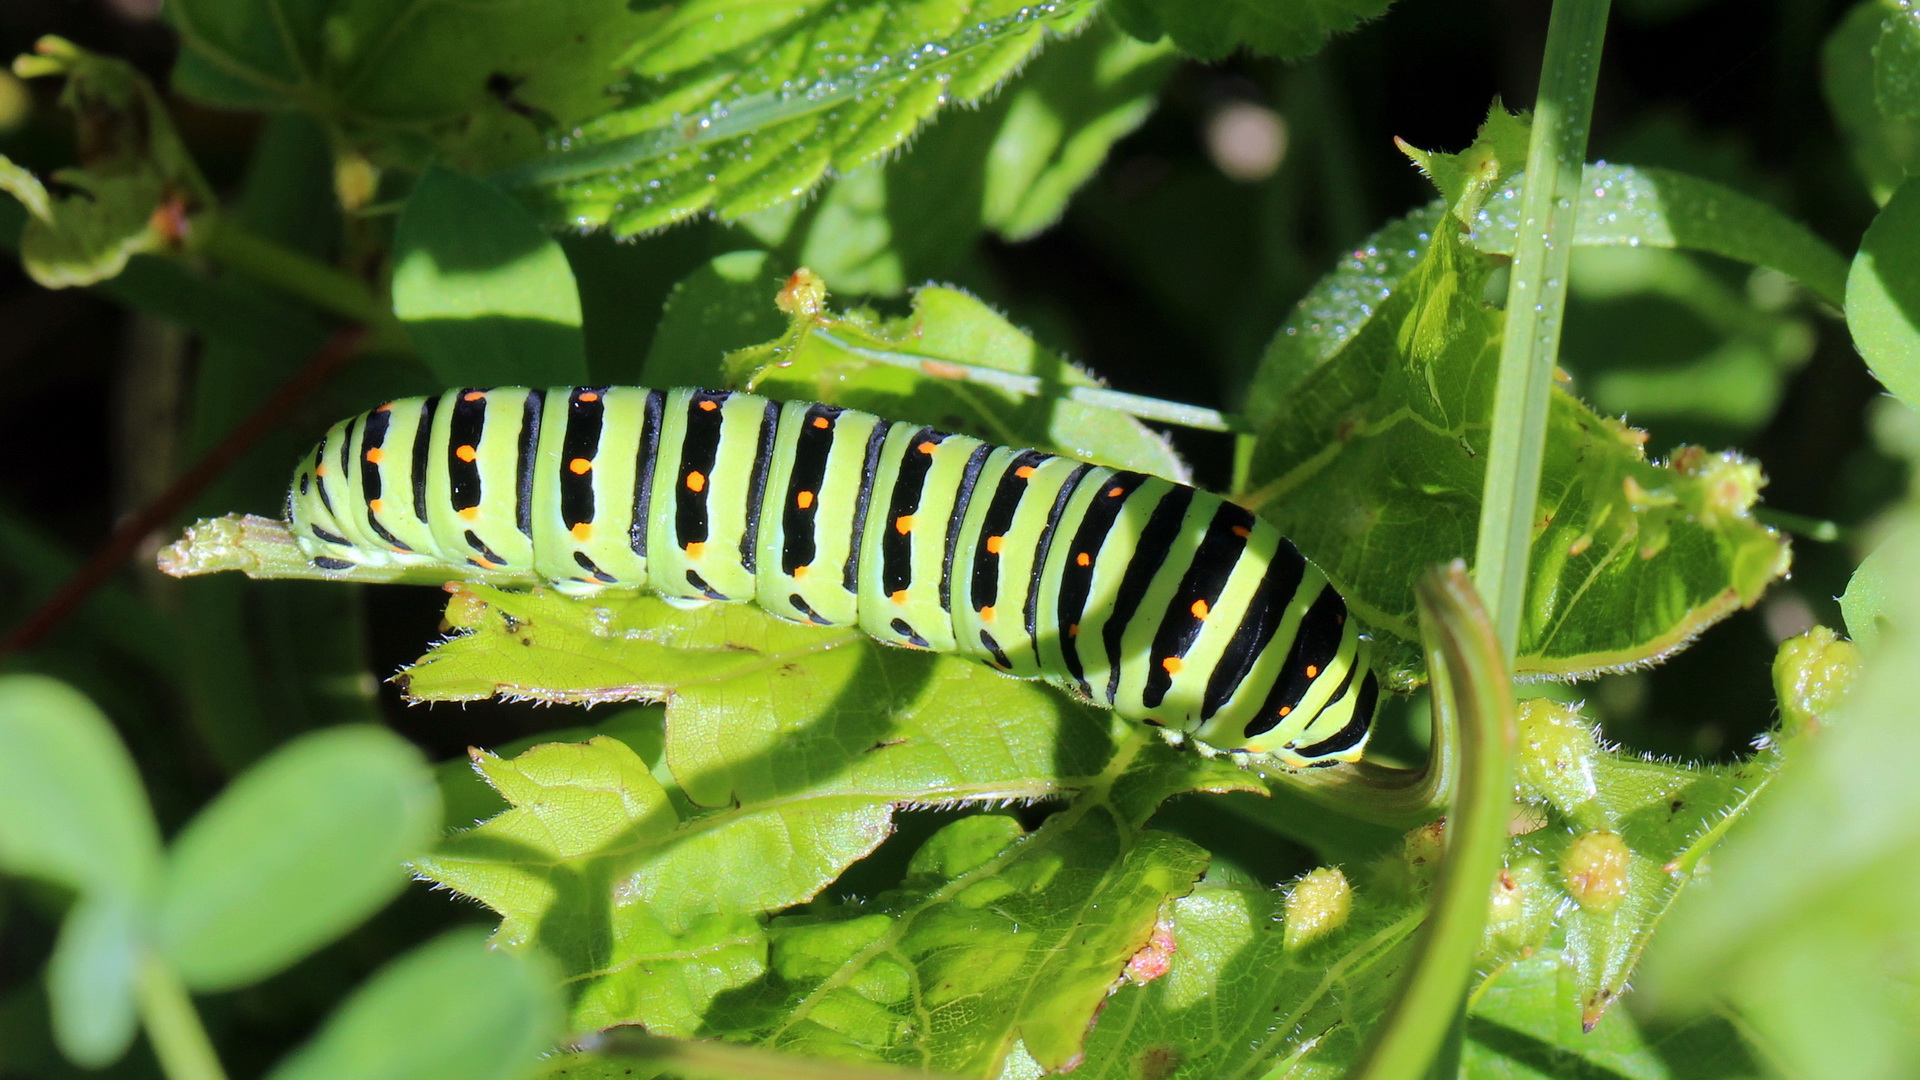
[{"x": 1265, "y": 174}]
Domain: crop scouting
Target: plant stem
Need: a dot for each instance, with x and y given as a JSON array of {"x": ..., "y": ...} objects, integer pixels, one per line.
[
  {"x": 226, "y": 241},
  {"x": 1474, "y": 694},
  {"x": 1536, "y": 299},
  {"x": 179, "y": 1040}
]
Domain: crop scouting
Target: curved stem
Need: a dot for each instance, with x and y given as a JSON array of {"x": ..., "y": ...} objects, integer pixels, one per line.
[
  {"x": 1473, "y": 694},
  {"x": 1536, "y": 299},
  {"x": 238, "y": 248},
  {"x": 173, "y": 1026}
]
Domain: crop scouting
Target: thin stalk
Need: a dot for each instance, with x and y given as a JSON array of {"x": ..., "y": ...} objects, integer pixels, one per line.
[
  {"x": 179, "y": 1040},
  {"x": 1474, "y": 696},
  {"x": 231, "y": 244},
  {"x": 1536, "y": 300}
]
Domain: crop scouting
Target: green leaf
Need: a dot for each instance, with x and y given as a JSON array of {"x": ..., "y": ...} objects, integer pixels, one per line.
[
  {"x": 294, "y": 853},
  {"x": 738, "y": 115},
  {"x": 1373, "y": 465},
  {"x": 468, "y": 799},
  {"x": 1885, "y": 148},
  {"x": 1010, "y": 165},
  {"x": 135, "y": 175},
  {"x": 1896, "y": 64},
  {"x": 994, "y": 939},
  {"x": 91, "y": 977},
  {"x": 1868, "y": 602},
  {"x": 486, "y": 294},
  {"x": 72, "y": 809},
  {"x": 713, "y": 311},
  {"x": 1210, "y": 31},
  {"x": 452, "y": 1009},
  {"x": 1523, "y": 1026},
  {"x": 1808, "y": 933},
  {"x": 1883, "y": 295},
  {"x": 916, "y": 368},
  {"x": 1236, "y": 1001},
  {"x": 1622, "y": 205}
]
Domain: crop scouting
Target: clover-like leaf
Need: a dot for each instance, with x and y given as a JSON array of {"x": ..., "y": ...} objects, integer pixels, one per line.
[{"x": 1885, "y": 147}]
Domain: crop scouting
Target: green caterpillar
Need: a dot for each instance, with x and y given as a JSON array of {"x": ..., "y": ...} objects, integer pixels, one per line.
[{"x": 1141, "y": 595}]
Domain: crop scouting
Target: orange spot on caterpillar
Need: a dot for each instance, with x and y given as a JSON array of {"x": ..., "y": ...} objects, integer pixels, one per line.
[
  {"x": 469, "y": 512},
  {"x": 1242, "y": 531},
  {"x": 473, "y": 395},
  {"x": 582, "y": 531},
  {"x": 993, "y": 544},
  {"x": 1083, "y": 559},
  {"x": 822, "y": 423},
  {"x": 903, "y": 524},
  {"x": 374, "y": 506},
  {"x": 986, "y": 613},
  {"x": 804, "y": 500},
  {"x": 374, "y": 455},
  {"x": 581, "y": 466},
  {"x": 589, "y": 397},
  {"x": 1023, "y": 471},
  {"x": 899, "y": 596},
  {"x": 1172, "y": 664},
  {"x": 1285, "y": 709},
  {"x": 1074, "y": 630},
  {"x": 800, "y": 572},
  {"x": 1199, "y": 609},
  {"x": 696, "y": 549},
  {"x": 465, "y": 452},
  {"x": 709, "y": 406},
  {"x": 696, "y": 481},
  {"x": 1313, "y": 671},
  {"x": 320, "y": 469},
  {"x": 927, "y": 448},
  {"x": 388, "y": 407},
  {"x": 1116, "y": 491}
]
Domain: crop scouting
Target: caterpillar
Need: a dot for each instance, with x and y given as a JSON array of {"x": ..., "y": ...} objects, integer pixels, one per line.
[{"x": 1144, "y": 596}]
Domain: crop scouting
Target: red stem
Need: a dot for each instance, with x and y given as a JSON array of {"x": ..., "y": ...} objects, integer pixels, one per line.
[{"x": 319, "y": 367}]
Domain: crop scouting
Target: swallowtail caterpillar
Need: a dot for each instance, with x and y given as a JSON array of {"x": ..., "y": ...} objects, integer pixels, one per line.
[{"x": 1148, "y": 597}]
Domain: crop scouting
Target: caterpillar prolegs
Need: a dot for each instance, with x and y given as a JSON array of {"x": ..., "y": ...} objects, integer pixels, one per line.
[{"x": 1161, "y": 602}]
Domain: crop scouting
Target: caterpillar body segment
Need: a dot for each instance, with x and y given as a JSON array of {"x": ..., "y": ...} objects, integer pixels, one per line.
[{"x": 1159, "y": 601}]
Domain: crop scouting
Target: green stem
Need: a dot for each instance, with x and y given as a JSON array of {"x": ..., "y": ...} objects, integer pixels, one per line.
[
  {"x": 1536, "y": 299},
  {"x": 1473, "y": 693},
  {"x": 226, "y": 241},
  {"x": 179, "y": 1040}
]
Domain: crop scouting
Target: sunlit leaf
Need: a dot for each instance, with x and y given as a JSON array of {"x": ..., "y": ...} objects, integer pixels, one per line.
[
  {"x": 1883, "y": 295},
  {"x": 486, "y": 294},
  {"x": 1885, "y": 148}
]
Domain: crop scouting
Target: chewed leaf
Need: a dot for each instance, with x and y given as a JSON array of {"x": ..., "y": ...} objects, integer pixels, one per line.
[
  {"x": 135, "y": 183},
  {"x": 957, "y": 364}
]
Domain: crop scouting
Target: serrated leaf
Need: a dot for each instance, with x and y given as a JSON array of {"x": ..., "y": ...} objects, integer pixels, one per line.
[
  {"x": 134, "y": 173},
  {"x": 737, "y": 115},
  {"x": 908, "y": 369},
  {"x": 1886, "y": 149},
  {"x": 1236, "y": 1002},
  {"x": 1213, "y": 30},
  {"x": 1807, "y": 932},
  {"x": 452, "y": 1009},
  {"x": 295, "y": 852},
  {"x": 1010, "y": 166},
  {"x": 1374, "y": 468},
  {"x": 713, "y": 311},
  {"x": 994, "y": 937},
  {"x": 72, "y": 808},
  {"x": 1883, "y": 295},
  {"x": 486, "y": 294}
]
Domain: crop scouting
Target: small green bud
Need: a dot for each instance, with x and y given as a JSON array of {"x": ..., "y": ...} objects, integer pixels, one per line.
[
  {"x": 1317, "y": 906},
  {"x": 1811, "y": 676},
  {"x": 1594, "y": 870}
]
